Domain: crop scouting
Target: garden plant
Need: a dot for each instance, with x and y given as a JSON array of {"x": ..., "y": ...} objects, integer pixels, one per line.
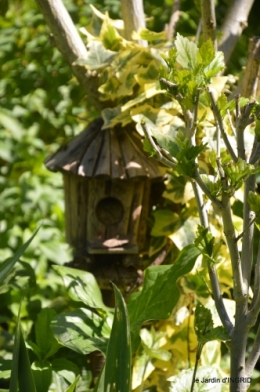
[{"x": 207, "y": 137}]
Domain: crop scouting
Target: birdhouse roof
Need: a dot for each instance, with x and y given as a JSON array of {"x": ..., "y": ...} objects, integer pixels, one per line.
[{"x": 114, "y": 153}]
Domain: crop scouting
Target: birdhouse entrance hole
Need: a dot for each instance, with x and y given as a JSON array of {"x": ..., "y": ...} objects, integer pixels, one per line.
[{"x": 109, "y": 211}]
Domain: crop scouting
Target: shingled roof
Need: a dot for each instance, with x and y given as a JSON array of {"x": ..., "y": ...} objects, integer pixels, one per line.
[{"x": 114, "y": 153}]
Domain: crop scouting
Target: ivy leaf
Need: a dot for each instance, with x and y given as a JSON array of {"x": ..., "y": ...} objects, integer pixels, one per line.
[
  {"x": 187, "y": 52},
  {"x": 149, "y": 35},
  {"x": 97, "y": 57}
]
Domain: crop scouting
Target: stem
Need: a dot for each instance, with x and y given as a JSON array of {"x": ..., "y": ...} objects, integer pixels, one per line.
[
  {"x": 211, "y": 268},
  {"x": 218, "y": 119},
  {"x": 198, "y": 355},
  {"x": 209, "y": 21},
  {"x": 255, "y": 306},
  {"x": 247, "y": 242},
  {"x": 239, "y": 289},
  {"x": 158, "y": 154}
]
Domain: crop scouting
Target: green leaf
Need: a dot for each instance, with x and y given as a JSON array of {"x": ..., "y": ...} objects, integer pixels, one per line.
[
  {"x": 216, "y": 65},
  {"x": 82, "y": 287},
  {"x": 97, "y": 57},
  {"x": 203, "y": 325},
  {"x": 238, "y": 171},
  {"x": 82, "y": 331},
  {"x": 72, "y": 387},
  {"x": 66, "y": 369},
  {"x": 205, "y": 242},
  {"x": 149, "y": 35},
  {"x": 165, "y": 222},
  {"x": 7, "y": 266},
  {"x": 11, "y": 124},
  {"x": 207, "y": 52},
  {"x": 21, "y": 373},
  {"x": 160, "y": 292},
  {"x": 254, "y": 202},
  {"x": 42, "y": 374},
  {"x": 117, "y": 370},
  {"x": 45, "y": 340},
  {"x": 203, "y": 321},
  {"x": 187, "y": 52}
]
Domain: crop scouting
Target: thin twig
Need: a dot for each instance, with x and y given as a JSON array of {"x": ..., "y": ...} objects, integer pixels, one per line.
[
  {"x": 218, "y": 119},
  {"x": 206, "y": 190},
  {"x": 241, "y": 235},
  {"x": 158, "y": 155}
]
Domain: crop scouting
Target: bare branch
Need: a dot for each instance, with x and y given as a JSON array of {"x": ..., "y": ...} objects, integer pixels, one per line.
[
  {"x": 219, "y": 120},
  {"x": 254, "y": 355},
  {"x": 233, "y": 25},
  {"x": 175, "y": 16},
  {"x": 158, "y": 153},
  {"x": 68, "y": 42},
  {"x": 252, "y": 72},
  {"x": 133, "y": 16},
  {"x": 209, "y": 21}
]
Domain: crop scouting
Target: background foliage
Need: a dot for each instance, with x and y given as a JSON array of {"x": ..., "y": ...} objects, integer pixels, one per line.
[{"x": 41, "y": 106}]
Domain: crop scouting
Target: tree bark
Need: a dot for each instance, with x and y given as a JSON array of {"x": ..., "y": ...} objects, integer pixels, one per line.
[
  {"x": 69, "y": 43},
  {"x": 233, "y": 25},
  {"x": 133, "y": 17},
  {"x": 209, "y": 21}
]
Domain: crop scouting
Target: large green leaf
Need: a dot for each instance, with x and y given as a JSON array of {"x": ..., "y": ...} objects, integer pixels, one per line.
[
  {"x": 7, "y": 266},
  {"x": 187, "y": 52},
  {"x": 117, "y": 370},
  {"x": 21, "y": 373},
  {"x": 82, "y": 331},
  {"x": 160, "y": 292},
  {"x": 82, "y": 286}
]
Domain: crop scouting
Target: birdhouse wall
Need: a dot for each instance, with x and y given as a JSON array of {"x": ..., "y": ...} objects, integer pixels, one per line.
[
  {"x": 106, "y": 216},
  {"x": 76, "y": 207}
]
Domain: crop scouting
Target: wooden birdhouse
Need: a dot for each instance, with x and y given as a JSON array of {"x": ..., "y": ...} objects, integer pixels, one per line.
[{"x": 107, "y": 184}]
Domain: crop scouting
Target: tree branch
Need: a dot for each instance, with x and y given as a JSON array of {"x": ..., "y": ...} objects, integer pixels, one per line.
[
  {"x": 133, "y": 17},
  {"x": 233, "y": 25},
  {"x": 209, "y": 21},
  {"x": 252, "y": 72},
  {"x": 69, "y": 43},
  {"x": 175, "y": 16}
]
